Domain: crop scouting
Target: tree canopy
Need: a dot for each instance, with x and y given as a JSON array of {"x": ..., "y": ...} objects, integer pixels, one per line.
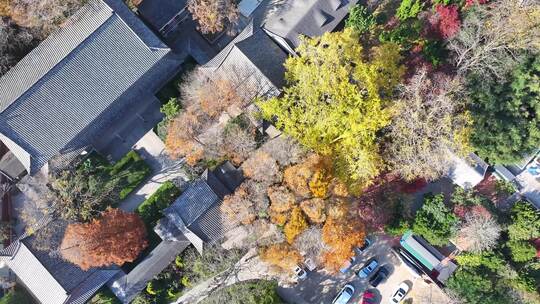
[
  {"x": 250, "y": 292},
  {"x": 334, "y": 101},
  {"x": 434, "y": 221},
  {"x": 342, "y": 235},
  {"x": 428, "y": 125},
  {"x": 507, "y": 115},
  {"x": 115, "y": 238}
]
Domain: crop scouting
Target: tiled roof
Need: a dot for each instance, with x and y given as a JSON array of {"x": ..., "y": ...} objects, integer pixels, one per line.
[
  {"x": 220, "y": 57},
  {"x": 51, "y": 51},
  {"x": 62, "y": 104},
  {"x": 50, "y": 278},
  {"x": 193, "y": 202},
  {"x": 36, "y": 278},
  {"x": 196, "y": 213},
  {"x": 311, "y": 18},
  {"x": 254, "y": 57},
  {"x": 212, "y": 225},
  {"x": 127, "y": 286}
]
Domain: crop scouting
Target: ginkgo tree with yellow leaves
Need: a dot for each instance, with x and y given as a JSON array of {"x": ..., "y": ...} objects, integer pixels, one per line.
[{"x": 335, "y": 101}]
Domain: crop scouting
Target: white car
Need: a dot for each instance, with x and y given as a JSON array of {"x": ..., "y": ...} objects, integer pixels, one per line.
[
  {"x": 400, "y": 293},
  {"x": 310, "y": 264},
  {"x": 344, "y": 295},
  {"x": 300, "y": 273}
]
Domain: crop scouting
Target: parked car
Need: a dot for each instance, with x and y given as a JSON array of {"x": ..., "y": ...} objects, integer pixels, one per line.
[
  {"x": 348, "y": 265},
  {"x": 310, "y": 264},
  {"x": 400, "y": 293},
  {"x": 300, "y": 273},
  {"x": 379, "y": 276},
  {"x": 344, "y": 295},
  {"x": 368, "y": 297},
  {"x": 368, "y": 268},
  {"x": 367, "y": 243}
]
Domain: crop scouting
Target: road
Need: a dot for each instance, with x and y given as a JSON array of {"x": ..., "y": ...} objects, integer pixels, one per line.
[{"x": 322, "y": 287}]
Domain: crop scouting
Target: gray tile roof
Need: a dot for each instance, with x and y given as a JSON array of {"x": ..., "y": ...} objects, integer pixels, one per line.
[
  {"x": 196, "y": 213},
  {"x": 66, "y": 103},
  {"x": 51, "y": 51},
  {"x": 254, "y": 57},
  {"x": 212, "y": 225},
  {"x": 193, "y": 202},
  {"x": 35, "y": 277},
  {"x": 311, "y": 18},
  {"x": 50, "y": 279},
  {"x": 127, "y": 286}
]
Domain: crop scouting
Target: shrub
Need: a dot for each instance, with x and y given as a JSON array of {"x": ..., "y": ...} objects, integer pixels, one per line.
[
  {"x": 17, "y": 295},
  {"x": 132, "y": 169},
  {"x": 525, "y": 222},
  {"x": 409, "y": 9},
  {"x": 505, "y": 187},
  {"x": 249, "y": 292},
  {"x": 104, "y": 296},
  {"x": 360, "y": 19},
  {"x": 397, "y": 227},
  {"x": 434, "y": 52},
  {"x": 477, "y": 287},
  {"x": 171, "y": 108},
  {"x": 150, "y": 209},
  {"x": 521, "y": 251},
  {"x": 405, "y": 34}
]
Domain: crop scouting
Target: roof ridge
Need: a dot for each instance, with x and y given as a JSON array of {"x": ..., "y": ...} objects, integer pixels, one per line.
[{"x": 217, "y": 61}]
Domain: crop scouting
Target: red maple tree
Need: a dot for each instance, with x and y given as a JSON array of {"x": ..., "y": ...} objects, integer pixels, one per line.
[
  {"x": 115, "y": 238},
  {"x": 447, "y": 22}
]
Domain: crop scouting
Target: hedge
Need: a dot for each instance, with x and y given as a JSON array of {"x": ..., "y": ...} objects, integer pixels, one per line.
[{"x": 150, "y": 209}]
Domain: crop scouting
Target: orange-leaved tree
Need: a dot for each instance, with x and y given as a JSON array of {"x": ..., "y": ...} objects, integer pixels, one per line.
[
  {"x": 115, "y": 238},
  {"x": 281, "y": 255},
  {"x": 342, "y": 235}
]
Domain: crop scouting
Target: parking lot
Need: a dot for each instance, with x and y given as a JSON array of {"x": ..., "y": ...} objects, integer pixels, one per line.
[{"x": 321, "y": 286}]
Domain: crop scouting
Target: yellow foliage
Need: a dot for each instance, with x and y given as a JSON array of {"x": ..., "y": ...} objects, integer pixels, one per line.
[
  {"x": 281, "y": 255},
  {"x": 332, "y": 104},
  {"x": 5, "y": 9},
  {"x": 319, "y": 184},
  {"x": 295, "y": 225}
]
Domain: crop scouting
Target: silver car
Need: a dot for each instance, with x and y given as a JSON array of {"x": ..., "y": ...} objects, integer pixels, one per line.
[{"x": 344, "y": 295}]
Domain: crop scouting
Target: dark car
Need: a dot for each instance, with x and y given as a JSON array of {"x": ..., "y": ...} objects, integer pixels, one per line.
[
  {"x": 379, "y": 276},
  {"x": 367, "y": 242}
]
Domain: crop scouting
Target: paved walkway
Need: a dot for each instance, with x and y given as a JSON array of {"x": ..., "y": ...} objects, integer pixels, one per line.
[
  {"x": 250, "y": 267},
  {"x": 152, "y": 149}
]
